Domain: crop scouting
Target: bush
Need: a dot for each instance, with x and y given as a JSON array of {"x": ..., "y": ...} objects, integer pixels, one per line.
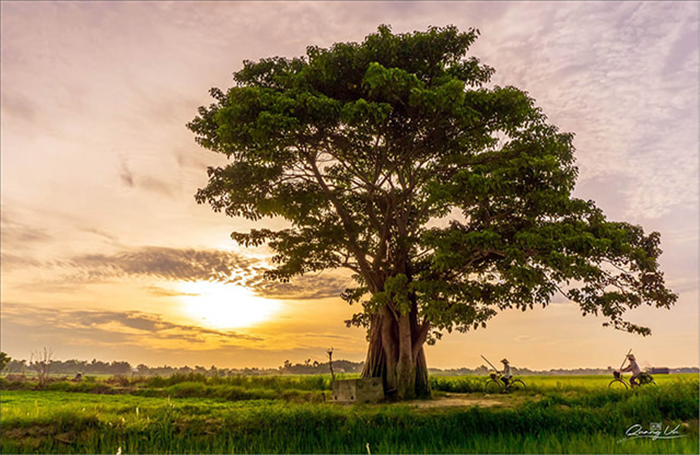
[
  {"x": 457, "y": 385},
  {"x": 120, "y": 380},
  {"x": 177, "y": 378},
  {"x": 187, "y": 390}
]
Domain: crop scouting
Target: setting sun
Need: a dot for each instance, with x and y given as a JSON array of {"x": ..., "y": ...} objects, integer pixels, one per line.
[{"x": 225, "y": 306}]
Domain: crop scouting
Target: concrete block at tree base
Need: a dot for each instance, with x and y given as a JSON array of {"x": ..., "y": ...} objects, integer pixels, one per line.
[{"x": 366, "y": 390}]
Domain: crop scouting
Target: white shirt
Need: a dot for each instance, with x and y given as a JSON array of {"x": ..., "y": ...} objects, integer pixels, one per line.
[
  {"x": 507, "y": 372},
  {"x": 633, "y": 367}
]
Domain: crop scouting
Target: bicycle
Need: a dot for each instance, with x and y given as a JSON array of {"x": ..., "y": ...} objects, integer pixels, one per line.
[
  {"x": 495, "y": 384},
  {"x": 620, "y": 383}
]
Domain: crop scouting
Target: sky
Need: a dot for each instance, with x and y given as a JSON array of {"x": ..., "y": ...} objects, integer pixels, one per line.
[{"x": 106, "y": 255}]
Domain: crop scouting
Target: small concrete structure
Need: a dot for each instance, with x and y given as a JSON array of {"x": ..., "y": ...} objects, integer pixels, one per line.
[{"x": 366, "y": 390}]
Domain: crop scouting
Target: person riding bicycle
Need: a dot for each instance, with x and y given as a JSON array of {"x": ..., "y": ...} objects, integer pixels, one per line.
[
  {"x": 634, "y": 368},
  {"x": 507, "y": 373}
]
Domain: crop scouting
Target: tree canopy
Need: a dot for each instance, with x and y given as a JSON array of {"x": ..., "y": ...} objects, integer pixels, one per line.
[{"x": 448, "y": 198}]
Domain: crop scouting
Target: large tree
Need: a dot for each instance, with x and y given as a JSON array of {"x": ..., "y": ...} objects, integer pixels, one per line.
[{"x": 449, "y": 200}]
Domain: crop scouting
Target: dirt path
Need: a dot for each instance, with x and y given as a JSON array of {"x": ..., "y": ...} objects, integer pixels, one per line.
[{"x": 453, "y": 400}]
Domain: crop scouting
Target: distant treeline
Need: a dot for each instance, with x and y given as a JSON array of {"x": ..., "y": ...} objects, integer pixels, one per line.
[{"x": 72, "y": 367}]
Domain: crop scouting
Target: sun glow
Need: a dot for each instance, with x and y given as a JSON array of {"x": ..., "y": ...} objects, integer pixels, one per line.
[{"x": 225, "y": 306}]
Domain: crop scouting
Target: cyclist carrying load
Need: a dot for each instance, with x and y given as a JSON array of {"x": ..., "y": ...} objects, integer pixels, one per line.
[
  {"x": 507, "y": 373},
  {"x": 634, "y": 368}
]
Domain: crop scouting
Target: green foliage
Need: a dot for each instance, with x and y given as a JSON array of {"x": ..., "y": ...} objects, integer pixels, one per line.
[
  {"x": 187, "y": 389},
  {"x": 464, "y": 384},
  {"x": 4, "y": 360},
  {"x": 359, "y": 146},
  {"x": 302, "y": 382},
  {"x": 80, "y": 387}
]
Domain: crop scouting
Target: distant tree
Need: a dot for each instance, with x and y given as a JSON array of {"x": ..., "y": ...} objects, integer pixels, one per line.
[
  {"x": 17, "y": 366},
  {"x": 40, "y": 362},
  {"x": 447, "y": 199},
  {"x": 120, "y": 367},
  {"x": 4, "y": 360}
]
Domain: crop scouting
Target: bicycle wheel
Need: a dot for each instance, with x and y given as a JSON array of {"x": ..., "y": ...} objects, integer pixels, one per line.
[
  {"x": 516, "y": 385},
  {"x": 492, "y": 386},
  {"x": 617, "y": 384}
]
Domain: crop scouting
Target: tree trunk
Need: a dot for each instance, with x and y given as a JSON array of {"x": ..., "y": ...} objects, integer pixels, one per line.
[
  {"x": 423, "y": 389},
  {"x": 375, "y": 364},
  {"x": 389, "y": 337},
  {"x": 392, "y": 355},
  {"x": 406, "y": 366}
]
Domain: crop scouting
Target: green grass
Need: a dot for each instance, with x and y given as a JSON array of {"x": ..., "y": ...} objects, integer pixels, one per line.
[
  {"x": 470, "y": 384},
  {"x": 298, "y": 382},
  {"x": 551, "y": 417}
]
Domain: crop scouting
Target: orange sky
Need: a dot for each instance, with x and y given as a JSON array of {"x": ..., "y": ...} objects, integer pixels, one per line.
[{"x": 106, "y": 255}]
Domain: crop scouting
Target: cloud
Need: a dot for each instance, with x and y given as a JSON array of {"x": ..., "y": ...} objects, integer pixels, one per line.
[
  {"x": 682, "y": 51},
  {"x": 164, "y": 292},
  {"x": 110, "y": 327},
  {"x": 17, "y": 107},
  {"x": 168, "y": 264},
  {"x": 307, "y": 287},
  {"x": 16, "y": 234},
  {"x": 156, "y": 185},
  {"x": 102, "y": 234},
  {"x": 196, "y": 160},
  {"x": 525, "y": 339},
  {"x": 12, "y": 262},
  {"x": 125, "y": 173},
  {"x": 172, "y": 264},
  {"x": 21, "y": 242},
  {"x": 622, "y": 76},
  {"x": 147, "y": 182}
]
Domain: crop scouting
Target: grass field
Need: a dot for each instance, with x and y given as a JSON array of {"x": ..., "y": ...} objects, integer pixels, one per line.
[
  {"x": 195, "y": 414},
  {"x": 545, "y": 383}
]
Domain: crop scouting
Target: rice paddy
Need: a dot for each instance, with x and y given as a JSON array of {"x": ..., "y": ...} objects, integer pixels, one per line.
[{"x": 198, "y": 414}]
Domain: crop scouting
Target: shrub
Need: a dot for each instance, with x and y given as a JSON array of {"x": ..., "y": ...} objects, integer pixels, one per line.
[{"x": 187, "y": 390}]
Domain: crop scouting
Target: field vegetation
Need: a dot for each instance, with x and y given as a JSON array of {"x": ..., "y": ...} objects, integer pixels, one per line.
[{"x": 193, "y": 413}]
